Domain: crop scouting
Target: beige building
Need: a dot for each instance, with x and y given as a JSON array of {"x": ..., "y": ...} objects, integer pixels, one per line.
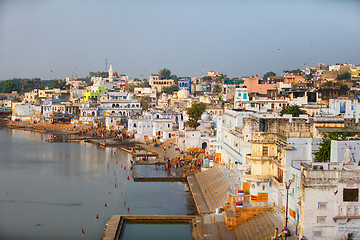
[{"x": 159, "y": 84}]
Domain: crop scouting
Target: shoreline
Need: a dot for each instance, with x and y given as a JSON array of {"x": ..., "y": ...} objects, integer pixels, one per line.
[{"x": 165, "y": 150}]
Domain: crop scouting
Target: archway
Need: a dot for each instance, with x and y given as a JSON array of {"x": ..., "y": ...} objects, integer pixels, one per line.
[{"x": 203, "y": 145}]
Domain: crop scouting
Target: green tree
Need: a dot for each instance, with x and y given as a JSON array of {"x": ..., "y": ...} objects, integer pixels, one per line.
[
  {"x": 309, "y": 76},
  {"x": 9, "y": 87},
  {"x": 164, "y": 73},
  {"x": 194, "y": 113},
  {"x": 342, "y": 86},
  {"x": 171, "y": 89},
  {"x": 294, "y": 110},
  {"x": 145, "y": 102},
  {"x": 175, "y": 78},
  {"x": 323, "y": 155},
  {"x": 87, "y": 81},
  {"x": 296, "y": 71},
  {"x": 216, "y": 88},
  {"x": 344, "y": 76},
  {"x": 268, "y": 74},
  {"x": 99, "y": 74},
  {"x": 206, "y": 78},
  {"x": 57, "y": 84}
]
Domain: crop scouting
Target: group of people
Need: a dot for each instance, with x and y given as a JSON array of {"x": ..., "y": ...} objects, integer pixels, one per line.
[
  {"x": 117, "y": 134},
  {"x": 194, "y": 164}
]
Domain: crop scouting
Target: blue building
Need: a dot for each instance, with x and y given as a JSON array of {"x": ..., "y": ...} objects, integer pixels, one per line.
[{"x": 185, "y": 83}]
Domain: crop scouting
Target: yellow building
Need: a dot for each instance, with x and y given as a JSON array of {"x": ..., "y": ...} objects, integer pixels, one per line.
[
  {"x": 159, "y": 84},
  {"x": 267, "y": 158}
]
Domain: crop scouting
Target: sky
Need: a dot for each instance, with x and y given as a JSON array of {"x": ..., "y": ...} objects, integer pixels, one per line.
[{"x": 59, "y": 38}]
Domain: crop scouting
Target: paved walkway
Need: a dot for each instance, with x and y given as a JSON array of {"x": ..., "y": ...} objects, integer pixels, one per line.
[{"x": 199, "y": 199}]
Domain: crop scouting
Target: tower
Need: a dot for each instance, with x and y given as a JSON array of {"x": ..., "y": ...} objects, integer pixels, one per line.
[{"x": 111, "y": 73}]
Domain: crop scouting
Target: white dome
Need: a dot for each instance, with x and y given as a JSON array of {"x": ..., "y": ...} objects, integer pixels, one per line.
[
  {"x": 205, "y": 116},
  {"x": 183, "y": 94}
]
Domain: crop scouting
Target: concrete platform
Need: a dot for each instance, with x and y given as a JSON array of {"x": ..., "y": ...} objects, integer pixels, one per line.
[{"x": 114, "y": 228}]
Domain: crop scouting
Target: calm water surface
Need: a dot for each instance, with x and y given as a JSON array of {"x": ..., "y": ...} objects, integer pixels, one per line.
[
  {"x": 54, "y": 190},
  {"x": 157, "y": 231}
]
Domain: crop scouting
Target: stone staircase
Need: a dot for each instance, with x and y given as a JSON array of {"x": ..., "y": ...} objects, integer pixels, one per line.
[
  {"x": 259, "y": 227},
  {"x": 214, "y": 185}
]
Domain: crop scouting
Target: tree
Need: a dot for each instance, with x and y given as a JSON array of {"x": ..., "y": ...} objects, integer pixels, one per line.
[
  {"x": 9, "y": 87},
  {"x": 170, "y": 89},
  {"x": 194, "y": 113},
  {"x": 296, "y": 71},
  {"x": 164, "y": 73},
  {"x": 145, "y": 102},
  {"x": 175, "y": 78},
  {"x": 129, "y": 87},
  {"x": 342, "y": 86},
  {"x": 268, "y": 74},
  {"x": 99, "y": 74},
  {"x": 323, "y": 155},
  {"x": 294, "y": 110},
  {"x": 206, "y": 78},
  {"x": 309, "y": 76},
  {"x": 216, "y": 88},
  {"x": 344, "y": 76},
  {"x": 57, "y": 84}
]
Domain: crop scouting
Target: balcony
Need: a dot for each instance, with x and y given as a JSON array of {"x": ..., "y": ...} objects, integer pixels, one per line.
[
  {"x": 348, "y": 211},
  {"x": 257, "y": 178}
]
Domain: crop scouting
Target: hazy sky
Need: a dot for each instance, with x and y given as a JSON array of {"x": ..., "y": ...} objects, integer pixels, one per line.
[{"x": 52, "y": 39}]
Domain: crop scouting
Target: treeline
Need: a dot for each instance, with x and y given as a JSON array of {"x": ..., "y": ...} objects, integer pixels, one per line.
[{"x": 26, "y": 85}]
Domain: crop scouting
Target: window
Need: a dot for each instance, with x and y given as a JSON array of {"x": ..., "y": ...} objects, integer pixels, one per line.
[
  {"x": 265, "y": 151},
  {"x": 317, "y": 233},
  {"x": 322, "y": 205},
  {"x": 321, "y": 219},
  {"x": 351, "y": 195},
  {"x": 280, "y": 175}
]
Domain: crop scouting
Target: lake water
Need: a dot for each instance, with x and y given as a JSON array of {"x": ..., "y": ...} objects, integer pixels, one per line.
[
  {"x": 54, "y": 190},
  {"x": 153, "y": 171},
  {"x": 157, "y": 231}
]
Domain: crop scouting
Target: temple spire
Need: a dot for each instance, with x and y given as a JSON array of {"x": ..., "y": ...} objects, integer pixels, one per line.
[
  {"x": 111, "y": 73},
  {"x": 348, "y": 157}
]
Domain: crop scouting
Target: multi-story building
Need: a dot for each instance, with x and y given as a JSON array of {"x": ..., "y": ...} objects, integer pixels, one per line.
[
  {"x": 185, "y": 83},
  {"x": 329, "y": 200},
  {"x": 161, "y": 125},
  {"x": 159, "y": 84}
]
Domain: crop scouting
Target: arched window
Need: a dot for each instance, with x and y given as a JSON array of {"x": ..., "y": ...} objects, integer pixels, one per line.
[
  {"x": 93, "y": 114},
  {"x": 117, "y": 105}
]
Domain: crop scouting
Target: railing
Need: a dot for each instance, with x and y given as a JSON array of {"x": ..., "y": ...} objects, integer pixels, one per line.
[
  {"x": 259, "y": 158},
  {"x": 250, "y": 177}
]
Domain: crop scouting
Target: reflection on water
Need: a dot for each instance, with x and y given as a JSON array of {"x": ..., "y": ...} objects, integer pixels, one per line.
[
  {"x": 153, "y": 171},
  {"x": 53, "y": 190},
  {"x": 157, "y": 231}
]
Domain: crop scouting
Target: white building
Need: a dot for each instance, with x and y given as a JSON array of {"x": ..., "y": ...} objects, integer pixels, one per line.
[
  {"x": 126, "y": 107},
  {"x": 115, "y": 122},
  {"x": 344, "y": 107},
  {"x": 340, "y": 147},
  {"x": 329, "y": 203},
  {"x": 157, "y": 124},
  {"x": 24, "y": 111},
  {"x": 146, "y": 91}
]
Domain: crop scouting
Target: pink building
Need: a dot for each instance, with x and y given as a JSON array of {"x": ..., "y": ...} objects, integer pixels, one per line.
[{"x": 253, "y": 86}]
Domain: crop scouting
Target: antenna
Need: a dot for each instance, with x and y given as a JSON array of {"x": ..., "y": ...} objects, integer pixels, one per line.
[
  {"x": 203, "y": 70},
  {"x": 106, "y": 63}
]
